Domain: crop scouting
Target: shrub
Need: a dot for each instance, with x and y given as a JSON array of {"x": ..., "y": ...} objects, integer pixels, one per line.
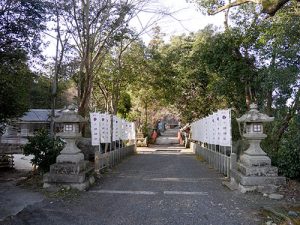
[
  {"x": 44, "y": 148},
  {"x": 285, "y": 154},
  {"x": 288, "y": 156}
]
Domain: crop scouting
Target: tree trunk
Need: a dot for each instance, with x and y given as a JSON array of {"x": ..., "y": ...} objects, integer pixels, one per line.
[
  {"x": 146, "y": 112},
  {"x": 84, "y": 102},
  {"x": 87, "y": 88},
  {"x": 55, "y": 77},
  {"x": 269, "y": 103},
  {"x": 247, "y": 96}
]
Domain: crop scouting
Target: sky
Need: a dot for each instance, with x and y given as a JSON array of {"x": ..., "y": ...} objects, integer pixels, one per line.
[{"x": 186, "y": 19}]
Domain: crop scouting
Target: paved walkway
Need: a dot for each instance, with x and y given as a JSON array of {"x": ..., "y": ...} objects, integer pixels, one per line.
[{"x": 156, "y": 187}]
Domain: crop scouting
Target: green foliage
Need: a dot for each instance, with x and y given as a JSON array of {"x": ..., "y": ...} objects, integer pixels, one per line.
[
  {"x": 146, "y": 130},
  {"x": 21, "y": 23},
  {"x": 15, "y": 80},
  {"x": 124, "y": 105},
  {"x": 40, "y": 93},
  {"x": 200, "y": 73},
  {"x": 122, "y": 69},
  {"x": 288, "y": 154},
  {"x": 44, "y": 148},
  {"x": 134, "y": 115}
]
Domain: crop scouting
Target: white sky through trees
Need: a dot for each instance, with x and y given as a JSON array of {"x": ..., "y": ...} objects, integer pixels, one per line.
[{"x": 184, "y": 19}]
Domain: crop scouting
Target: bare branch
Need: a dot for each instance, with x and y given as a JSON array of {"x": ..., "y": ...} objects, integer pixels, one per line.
[{"x": 232, "y": 4}]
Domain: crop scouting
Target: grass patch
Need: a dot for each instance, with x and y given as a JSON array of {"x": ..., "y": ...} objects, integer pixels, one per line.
[
  {"x": 33, "y": 181},
  {"x": 64, "y": 193},
  {"x": 281, "y": 216}
]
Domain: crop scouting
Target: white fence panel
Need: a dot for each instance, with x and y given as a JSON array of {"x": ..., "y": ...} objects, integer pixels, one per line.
[{"x": 214, "y": 129}]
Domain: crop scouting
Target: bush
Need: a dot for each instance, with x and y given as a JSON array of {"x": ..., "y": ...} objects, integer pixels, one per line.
[
  {"x": 44, "y": 148},
  {"x": 288, "y": 156}
]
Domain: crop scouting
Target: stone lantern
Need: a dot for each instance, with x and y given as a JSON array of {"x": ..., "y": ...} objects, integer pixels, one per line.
[
  {"x": 253, "y": 122},
  {"x": 254, "y": 170},
  {"x": 70, "y": 123},
  {"x": 70, "y": 169}
]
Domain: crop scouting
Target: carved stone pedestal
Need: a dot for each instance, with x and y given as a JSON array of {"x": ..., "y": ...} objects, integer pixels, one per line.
[
  {"x": 261, "y": 177},
  {"x": 74, "y": 175}
]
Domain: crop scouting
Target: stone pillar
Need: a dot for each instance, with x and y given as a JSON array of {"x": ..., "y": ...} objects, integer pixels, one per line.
[
  {"x": 254, "y": 171},
  {"x": 70, "y": 169},
  {"x": 233, "y": 160}
]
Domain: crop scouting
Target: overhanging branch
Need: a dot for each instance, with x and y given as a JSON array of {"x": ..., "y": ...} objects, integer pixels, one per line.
[
  {"x": 232, "y": 4},
  {"x": 267, "y": 7},
  {"x": 271, "y": 9}
]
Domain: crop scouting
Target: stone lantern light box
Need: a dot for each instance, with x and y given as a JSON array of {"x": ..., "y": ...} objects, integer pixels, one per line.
[
  {"x": 254, "y": 127},
  {"x": 70, "y": 122},
  {"x": 253, "y": 121}
]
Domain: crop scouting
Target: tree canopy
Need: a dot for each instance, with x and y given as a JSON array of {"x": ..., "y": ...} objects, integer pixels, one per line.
[{"x": 20, "y": 25}]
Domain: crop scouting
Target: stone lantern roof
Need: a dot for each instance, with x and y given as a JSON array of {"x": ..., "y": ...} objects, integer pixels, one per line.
[
  {"x": 253, "y": 115},
  {"x": 69, "y": 116}
]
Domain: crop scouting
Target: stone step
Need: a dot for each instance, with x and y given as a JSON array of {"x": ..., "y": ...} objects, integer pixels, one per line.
[
  {"x": 166, "y": 140},
  {"x": 257, "y": 170},
  {"x": 257, "y": 180},
  {"x": 170, "y": 133}
]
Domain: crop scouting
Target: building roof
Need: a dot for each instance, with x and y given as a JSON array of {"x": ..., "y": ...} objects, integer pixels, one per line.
[{"x": 38, "y": 115}]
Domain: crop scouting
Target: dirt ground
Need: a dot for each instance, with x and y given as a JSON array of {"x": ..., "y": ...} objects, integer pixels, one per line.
[
  {"x": 11, "y": 174},
  {"x": 291, "y": 191}
]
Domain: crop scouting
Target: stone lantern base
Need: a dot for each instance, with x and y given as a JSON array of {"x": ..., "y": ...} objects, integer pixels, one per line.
[
  {"x": 70, "y": 169},
  {"x": 255, "y": 173},
  {"x": 73, "y": 175}
]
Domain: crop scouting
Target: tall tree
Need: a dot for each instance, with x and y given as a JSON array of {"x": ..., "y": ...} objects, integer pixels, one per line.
[
  {"x": 60, "y": 54},
  {"x": 15, "y": 80},
  {"x": 95, "y": 26},
  {"x": 181, "y": 78},
  {"x": 21, "y": 23},
  {"x": 122, "y": 69}
]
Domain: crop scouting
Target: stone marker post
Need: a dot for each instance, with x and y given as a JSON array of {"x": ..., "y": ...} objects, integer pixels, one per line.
[
  {"x": 254, "y": 171},
  {"x": 70, "y": 169}
]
